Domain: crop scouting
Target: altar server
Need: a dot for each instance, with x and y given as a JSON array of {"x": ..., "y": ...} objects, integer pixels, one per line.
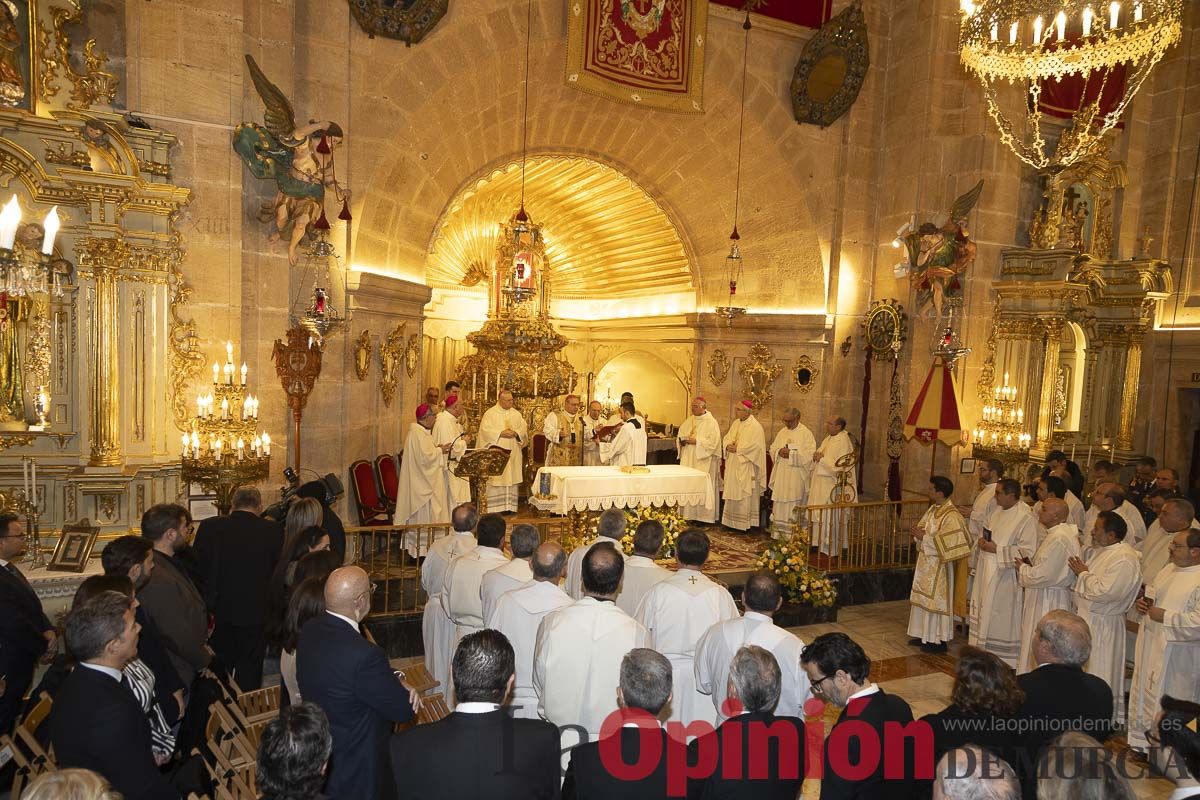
[
  {"x": 1047, "y": 579},
  {"x": 791, "y": 471},
  {"x": 942, "y": 539},
  {"x": 448, "y": 430},
  {"x": 437, "y": 629},
  {"x": 995, "y": 613},
  {"x": 563, "y": 430},
  {"x": 1167, "y": 660},
  {"x": 517, "y": 572},
  {"x": 464, "y": 577},
  {"x": 745, "y": 469},
  {"x": 677, "y": 612},
  {"x": 628, "y": 445},
  {"x": 518, "y": 614},
  {"x": 829, "y": 529},
  {"x": 1105, "y": 588},
  {"x": 700, "y": 448},
  {"x": 422, "y": 493},
  {"x": 503, "y": 426}
]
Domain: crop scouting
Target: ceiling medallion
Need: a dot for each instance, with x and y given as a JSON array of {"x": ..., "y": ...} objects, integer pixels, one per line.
[
  {"x": 405, "y": 20},
  {"x": 832, "y": 68}
]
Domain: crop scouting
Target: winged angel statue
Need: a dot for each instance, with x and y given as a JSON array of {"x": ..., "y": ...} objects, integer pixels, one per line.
[
  {"x": 299, "y": 158},
  {"x": 938, "y": 256}
]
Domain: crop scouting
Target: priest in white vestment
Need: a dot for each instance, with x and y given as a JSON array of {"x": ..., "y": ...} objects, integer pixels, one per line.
[
  {"x": 642, "y": 573},
  {"x": 762, "y": 597},
  {"x": 437, "y": 630},
  {"x": 1167, "y": 660},
  {"x": 791, "y": 471},
  {"x": 421, "y": 497},
  {"x": 523, "y": 540},
  {"x": 609, "y": 528},
  {"x": 519, "y": 612},
  {"x": 592, "y": 420},
  {"x": 745, "y": 470},
  {"x": 627, "y": 446},
  {"x": 677, "y": 612},
  {"x": 563, "y": 430},
  {"x": 1047, "y": 579},
  {"x": 1174, "y": 515},
  {"x": 503, "y": 426},
  {"x": 828, "y": 528},
  {"x": 1053, "y": 486},
  {"x": 464, "y": 578},
  {"x": 448, "y": 430},
  {"x": 991, "y": 470},
  {"x": 1110, "y": 496},
  {"x": 943, "y": 540},
  {"x": 577, "y": 657},
  {"x": 1105, "y": 588},
  {"x": 700, "y": 448},
  {"x": 996, "y": 597}
]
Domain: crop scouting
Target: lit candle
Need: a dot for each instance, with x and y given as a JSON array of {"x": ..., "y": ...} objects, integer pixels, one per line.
[
  {"x": 1012, "y": 33},
  {"x": 535, "y": 381},
  {"x": 10, "y": 219},
  {"x": 199, "y": 406},
  {"x": 1137, "y": 13},
  {"x": 486, "y": 383},
  {"x": 186, "y": 439},
  {"x": 216, "y": 372},
  {"x": 266, "y": 444},
  {"x": 229, "y": 352},
  {"x": 195, "y": 445},
  {"x": 241, "y": 450},
  {"x": 229, "y": 373},
  {"x": 33, "y": 481},
  {"x": 1037, "y": 31},
  {"x": 217, "y": 449},
  {"x": 244, "y": 373},
  {"x": 474, "y": 380},
  {"x": 224, "y": 408},
  {"x": 257, "y": 445},
  {"x": 1060, "y": 22},
  {"x": 995, "y": 31},
  {"x": 1087, "y": 21},
  {"x": 51, "y": 226},
  {"x": 1114, "y": 11}
]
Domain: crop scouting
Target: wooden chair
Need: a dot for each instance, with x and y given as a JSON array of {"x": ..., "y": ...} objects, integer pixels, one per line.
[
  {"x": 34, "y": 719},
  {"x": 226, "y": 736},
  {"x": 418, "y": 677},
  {"x": 433, "y": 708},
  {"x": 260, "y": 703},
  {"x": 27, "y": 756},
  {"x": 229, "y": 782}
]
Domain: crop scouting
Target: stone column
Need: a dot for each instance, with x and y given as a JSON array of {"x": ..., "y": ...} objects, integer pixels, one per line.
[
  {"x": 1051, "y": 330},
  {"x": 102, "y": 258}
]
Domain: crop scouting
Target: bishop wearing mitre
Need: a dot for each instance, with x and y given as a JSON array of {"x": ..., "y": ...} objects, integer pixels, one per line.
[
  {"x": 422, "y": 491},
  {"x": 448, "y": 430},
  {"x": 792, "y": 452},
  {"x": 700, "y": 448},
  {"x": 503, "y": 426},
  {"x": 1047, "y": 578},
  {"x": 942, "y": 539},
  {"x": 628, "y": 445},
  {"x": 996, "y": 597},
  {"x": 563, "y": 430},
  {"x": 829, "y": 528},
  {"x": 745, "y": 469}
]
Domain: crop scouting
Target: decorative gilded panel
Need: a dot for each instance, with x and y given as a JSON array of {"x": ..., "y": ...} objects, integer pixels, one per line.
[
  {"x": 759, "y": 372},
  {"x": 362, "y": 355},
  {"x": 391, "y": 356},
  {"x": 718, "y": 367}
]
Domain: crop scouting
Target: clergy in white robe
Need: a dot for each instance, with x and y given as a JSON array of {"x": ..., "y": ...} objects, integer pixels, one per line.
[
  {"x": 577, "y": 657},
  {"x": 1105, "y": 588},
  {"x": 609, "y": 528},
  {"x": 1175, "y": 514},
  {"x": 745, "y": 469},
  {"x": 991, "y": 470},
  {"x": 791, "y": 453},
  {"x": 1053, "y": 486},
  {"x": 995, "y": 613},
  {"x": 1167, "y": 659},
  {"x": 762, "y": 596},
  {"x": 448, "y": 430},
  {"x": 464, "y": 578},
  {"x": 641, "y": 572},
  {"x": 828, "y": 528},
  {"x": 523, "y": 540},
  {"x": 519, "y": 612},
  {"x": 563, "y": 430},
  {"x": 1047, "y": 580},
  {"x": 1110, "y": 496},
  {"x": 700, "y": 448},
  {"x": 626, "y": 447},
  {"x": 503, "y": 426},
  {"x": 421, "y": 496},
  {"x": 942, "y": 539},
  {"x": 437, "y": 630},
  {"x": 592, "y": 420},
  {"x": 677, "y": 612}
]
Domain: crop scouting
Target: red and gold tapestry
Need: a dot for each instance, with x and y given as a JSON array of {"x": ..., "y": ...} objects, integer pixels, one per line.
[{"x": 645, "y": 52}]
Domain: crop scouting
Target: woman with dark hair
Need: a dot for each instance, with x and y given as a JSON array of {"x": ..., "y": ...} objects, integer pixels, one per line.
[
  {"x": 306, "y": 602},
  {"x": 317, "y": 564},
  {"x": 302, "y": 534}
]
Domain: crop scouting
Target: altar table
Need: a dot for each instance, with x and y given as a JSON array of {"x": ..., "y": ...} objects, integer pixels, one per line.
[{"x": 598, "y": 488}]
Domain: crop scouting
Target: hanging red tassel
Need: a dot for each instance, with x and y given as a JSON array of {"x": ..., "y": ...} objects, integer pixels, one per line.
[
  {"x": 322, "y": 223},
  {"x": 344, "y": 214},
  {"x": 521, "y": 215},
  {"x": 323, "y": 146}
]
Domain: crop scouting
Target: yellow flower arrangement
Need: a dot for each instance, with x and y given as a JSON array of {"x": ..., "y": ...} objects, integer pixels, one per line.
[
  {"x": 673, "y": 525},
  {"x": 788, "y": 560}
]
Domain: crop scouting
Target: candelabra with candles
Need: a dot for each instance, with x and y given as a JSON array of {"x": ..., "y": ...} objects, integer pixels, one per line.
[
  {"x": 24, "y": 503},
  {"x": 1002, "y": 427},
  {"x": 224, "y": 449}
]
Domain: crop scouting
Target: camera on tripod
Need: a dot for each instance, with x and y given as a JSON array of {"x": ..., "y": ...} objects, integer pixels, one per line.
[{"x": 325, "y": 490}]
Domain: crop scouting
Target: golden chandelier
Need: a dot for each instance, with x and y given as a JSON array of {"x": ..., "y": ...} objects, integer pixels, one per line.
[{"x": 1036, "y": 41}]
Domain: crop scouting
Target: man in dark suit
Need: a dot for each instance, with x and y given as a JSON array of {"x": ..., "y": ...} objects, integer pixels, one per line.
[
  {"x": 759, "y": 756},
  {"x": 350, "y": 679},
  {"x": 236, "y": 556},
  {"x": 170, "y": 598},
  {"x": 96, "y": 722},
  {"x": 839, "y": 672},
  {"x": 480, "y": 751},
  {"x": 25, "y": 633},
  {"x": 643, "y": 692}
]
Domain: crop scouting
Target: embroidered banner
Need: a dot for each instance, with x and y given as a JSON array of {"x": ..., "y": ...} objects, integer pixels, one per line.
[
  {"x": 808, "y": 13},
  {"x": 645, "y": 52}
]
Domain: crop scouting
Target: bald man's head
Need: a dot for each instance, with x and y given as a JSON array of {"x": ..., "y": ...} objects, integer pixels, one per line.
[
  {"x": 548, "y": 562},
  {"x": 1054, "y": 512},
  {"x": 348, "y": 592}
]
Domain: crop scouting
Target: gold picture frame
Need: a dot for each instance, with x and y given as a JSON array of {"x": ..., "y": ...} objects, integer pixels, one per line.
[
  {"x": 804, "y": 374},
  {"x": 74, "y": 548},
  {"x": 718, "y": 367},
  {"x": 758, "y": 372}
]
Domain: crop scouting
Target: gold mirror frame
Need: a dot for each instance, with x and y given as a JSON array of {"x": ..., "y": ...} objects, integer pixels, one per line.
[
  {"x": 718, "y": 367},
  {"x": 804, "y": 363},
  {"x": 834, "y": 63},
  {"x": 758, "y": 372},
  {"x": 362, "y": 355}
]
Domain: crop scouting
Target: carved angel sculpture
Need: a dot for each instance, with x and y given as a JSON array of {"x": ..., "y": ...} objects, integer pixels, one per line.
[
  {"x": 297, "y": 157},
  {"x": 940, "y": 255}
]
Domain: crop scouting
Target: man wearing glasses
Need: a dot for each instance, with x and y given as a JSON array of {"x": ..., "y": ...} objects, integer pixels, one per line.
[{"x": 25, "y": 633}]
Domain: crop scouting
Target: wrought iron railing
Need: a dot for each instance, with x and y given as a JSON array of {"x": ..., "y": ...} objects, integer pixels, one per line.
[{"x": 857, "y": 537}]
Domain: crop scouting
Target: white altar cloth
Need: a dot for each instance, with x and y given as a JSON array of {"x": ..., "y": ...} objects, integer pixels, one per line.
[{"x": 597, "y": 488}]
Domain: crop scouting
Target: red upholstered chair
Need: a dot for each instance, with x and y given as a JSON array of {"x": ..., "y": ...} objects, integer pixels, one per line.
[
  {"x": 372, "y": 510},
  {"x": 389, "y": 479},
  {"x": 539, "y": 448}
]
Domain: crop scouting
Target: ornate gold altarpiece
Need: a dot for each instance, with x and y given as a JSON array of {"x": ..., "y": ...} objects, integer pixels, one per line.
[{"x": 114, "y": 349}]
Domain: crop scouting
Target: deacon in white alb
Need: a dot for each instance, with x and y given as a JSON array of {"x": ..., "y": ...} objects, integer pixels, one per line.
[
  {"x": 641, "y": 572},
  {"x": 1054, "y": 486},
  {"x": 563, "y": 430},
  {"x": 518, "y": 613},
  {"x": 1047, "y": 579},
  {"x": 829, "y": 529},
  {"x": 448, "y": 430},
  {"x": 503, "y": 426},
  {"x": 1174, "y": 516},
  {"x": 762, "y": 597},
  {"x": 700, "y": 448},
  {"x": 422, "y": 490},
  {"x": 577, "y": 659},
  {"x": 523, "y": 540},
  {"x": 1111, "y": 497},
  {"x": 628, "y": 445},
  {"x": 791, "y": 470},
  {"x": 1167, "y": 660},
  {"x": 943, "y": 539},
  {"x": 996, "y": 597},
  {"x": 677, "y": 612},
  {"x": 745, "y": 470},
  {"x": 464, "y": 578},
  {"x": 990, "y": 471},
  {"x": 609, "y": 528},
  {"x": 1105, "y": 588},
  {"x": 437, "y": 630},
  {"x": 591, "y": 421}
]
